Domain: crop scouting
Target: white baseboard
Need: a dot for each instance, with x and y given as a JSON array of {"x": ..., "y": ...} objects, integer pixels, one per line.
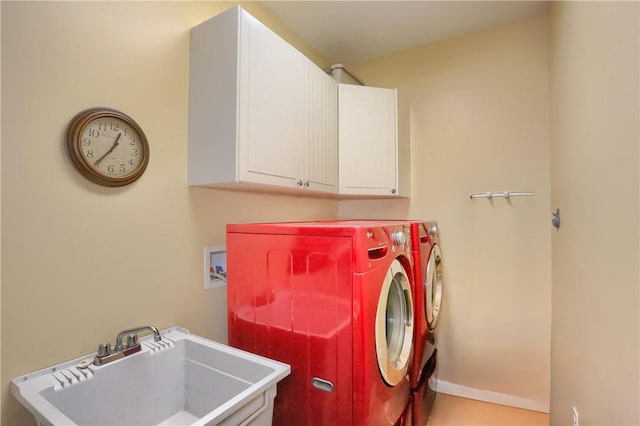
[{"x": 489, "y": 396}]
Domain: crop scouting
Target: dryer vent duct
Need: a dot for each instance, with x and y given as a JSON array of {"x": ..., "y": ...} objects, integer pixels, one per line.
[{"x": 340, "y": 74}]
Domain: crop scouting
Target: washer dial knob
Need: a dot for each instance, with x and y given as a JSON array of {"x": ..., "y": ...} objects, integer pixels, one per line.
[{"x": 399, "y": 238}]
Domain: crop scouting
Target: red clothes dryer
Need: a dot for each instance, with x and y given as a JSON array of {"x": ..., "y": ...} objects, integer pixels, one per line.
[
  {"x": 334, "y": 300},
  {"x": 427, "y": 262}
]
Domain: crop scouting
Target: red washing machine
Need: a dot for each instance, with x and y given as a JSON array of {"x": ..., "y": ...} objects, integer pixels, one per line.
[
  {"x": 334, "y": 300},
  {"x": 427, "y": 267}
]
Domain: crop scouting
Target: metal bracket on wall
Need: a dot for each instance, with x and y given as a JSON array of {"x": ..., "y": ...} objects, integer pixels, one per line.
[{"x": 556, "y": 219}]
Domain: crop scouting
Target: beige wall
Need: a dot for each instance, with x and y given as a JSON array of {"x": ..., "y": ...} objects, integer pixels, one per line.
[
  {"x": 479, "y": 122},
  {"x": 595, "y": 48},
  {"x": 81, "y": 262}
]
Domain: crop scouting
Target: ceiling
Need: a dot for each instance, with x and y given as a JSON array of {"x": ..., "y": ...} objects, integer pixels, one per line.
[{"x": 354, "y": 31}]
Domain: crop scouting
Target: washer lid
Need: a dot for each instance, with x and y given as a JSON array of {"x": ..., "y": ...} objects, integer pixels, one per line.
[
  {"x": 433, "y": 287},
  {"x": 394, "y": 325}
]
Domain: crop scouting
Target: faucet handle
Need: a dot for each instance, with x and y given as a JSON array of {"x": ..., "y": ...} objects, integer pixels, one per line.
[
  {"x": 132, "y": 340},
  {"x": 104, "y": 350}
]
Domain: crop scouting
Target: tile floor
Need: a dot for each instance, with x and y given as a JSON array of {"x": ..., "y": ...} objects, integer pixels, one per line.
[{"x": 455, "y": 411}]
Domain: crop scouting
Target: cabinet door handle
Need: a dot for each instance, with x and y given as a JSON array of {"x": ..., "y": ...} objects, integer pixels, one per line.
[
  {"x": 306, "y": 183},
  {"x": 299, "y": 183},
  {"x": 393, "y": 190}
]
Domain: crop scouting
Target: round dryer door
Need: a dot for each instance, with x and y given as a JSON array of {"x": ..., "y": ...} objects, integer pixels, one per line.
[
  {"x": 433, "y": 287},
  {"x": 394, "y": 325}
]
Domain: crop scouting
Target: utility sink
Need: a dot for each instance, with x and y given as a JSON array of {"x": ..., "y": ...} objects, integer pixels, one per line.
[{"x": 181, "y": 380}]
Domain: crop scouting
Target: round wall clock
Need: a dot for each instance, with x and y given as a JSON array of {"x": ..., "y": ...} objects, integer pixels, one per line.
[{"x": 107, "y": 146}]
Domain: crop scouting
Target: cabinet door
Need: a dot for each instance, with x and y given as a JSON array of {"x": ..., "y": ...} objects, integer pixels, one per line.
[
  {"x": 321, "y": 148},
  {"x": 271, "y": 91},
  {"x": 367, "y": 140}
]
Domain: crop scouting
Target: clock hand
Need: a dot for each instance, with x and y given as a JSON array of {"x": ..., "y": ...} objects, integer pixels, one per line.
[{"x": 110, "y": 150}]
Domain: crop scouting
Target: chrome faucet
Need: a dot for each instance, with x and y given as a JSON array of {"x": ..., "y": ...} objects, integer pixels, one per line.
[
  {"x": 133, "y": 332},
  {"x": 106, "y": 353}
]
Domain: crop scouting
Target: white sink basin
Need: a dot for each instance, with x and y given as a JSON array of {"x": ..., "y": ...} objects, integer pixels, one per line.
[{"x": 181, "y": 380}]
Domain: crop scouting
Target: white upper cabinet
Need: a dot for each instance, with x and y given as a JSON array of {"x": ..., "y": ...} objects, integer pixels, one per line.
[
  {"x": 261, "y": 114},
  {"x": 372, "y": 163}
]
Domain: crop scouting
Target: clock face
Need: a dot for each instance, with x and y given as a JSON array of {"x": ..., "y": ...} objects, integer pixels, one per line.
[
  {"x": 107, "y": 147},
  {"x": 111, "y": 147}
]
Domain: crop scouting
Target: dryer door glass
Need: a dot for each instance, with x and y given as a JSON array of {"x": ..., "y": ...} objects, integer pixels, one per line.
[
  {"x": 394, "y": 325},
  {"x": 433, "y": 287}
]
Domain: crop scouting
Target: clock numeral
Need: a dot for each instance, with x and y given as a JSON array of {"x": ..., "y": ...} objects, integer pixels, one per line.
[
  {"x": 110, "y": 168},
  {"x": 93, "y": 133},
  {"x": 134, "y": 152},
  {"x": 90, "y": 153},
  {"x": 102, "y": 126},
  {"x": 131, "y": 163},
  {"x": 115, "y": 126},
  {"x": 86, "y": 141},
  {"x": 123, "y": 168}
]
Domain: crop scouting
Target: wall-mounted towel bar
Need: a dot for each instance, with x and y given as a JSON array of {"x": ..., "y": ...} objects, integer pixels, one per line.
[{"x": 506, "y": 194}]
